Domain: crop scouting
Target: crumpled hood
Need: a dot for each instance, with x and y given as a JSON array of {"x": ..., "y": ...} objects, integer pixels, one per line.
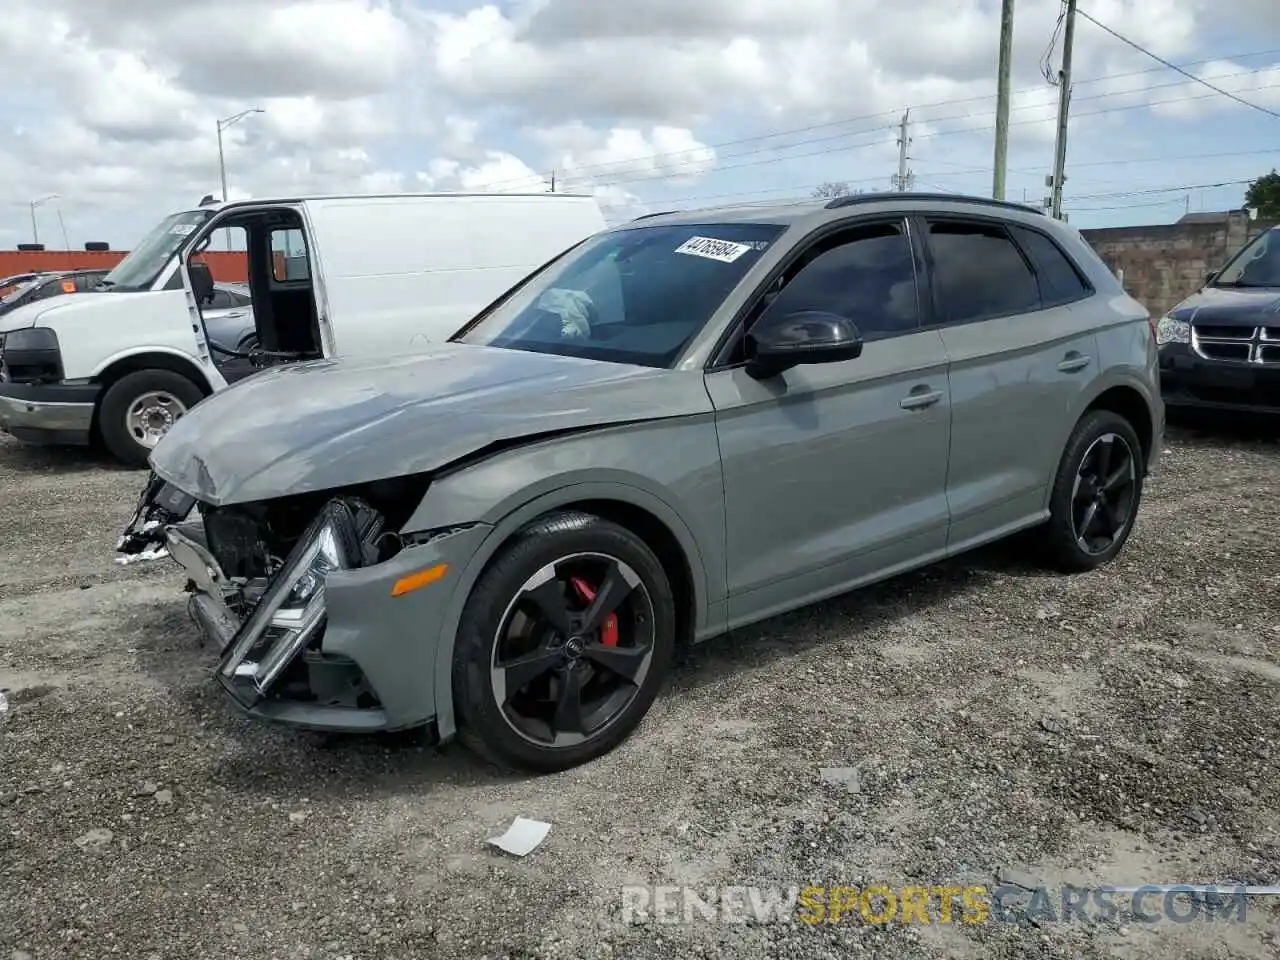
[
  {"x": 329, "y": 424},
  {"x": 1227, "y": 306}
]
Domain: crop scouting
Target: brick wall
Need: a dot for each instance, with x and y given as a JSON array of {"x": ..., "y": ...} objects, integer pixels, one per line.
[
  {"x": 1162, "y": 265},
  {"x": 227, "y": 266}
]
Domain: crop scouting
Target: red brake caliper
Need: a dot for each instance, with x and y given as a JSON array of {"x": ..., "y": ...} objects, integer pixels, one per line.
[{"x": 609, "y": 630}]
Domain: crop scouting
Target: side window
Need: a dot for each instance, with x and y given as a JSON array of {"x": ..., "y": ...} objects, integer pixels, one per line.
[
  {"x": 979, "y": 273},
  {"x": 87, "y": 281},
  {"x": 866, "y": 275},
  {"x": 289, "y": 255},
  {"x": 1060, "y": 280},
  {"x": 221, "y": 300},
  {"x": 50, "y": 288}
]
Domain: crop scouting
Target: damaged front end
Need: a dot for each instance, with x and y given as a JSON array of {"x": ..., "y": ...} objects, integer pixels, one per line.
[{"x": 257, "y": 574}]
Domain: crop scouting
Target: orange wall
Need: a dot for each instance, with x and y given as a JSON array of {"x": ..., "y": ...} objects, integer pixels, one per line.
[{"x": 227, "y": 266}]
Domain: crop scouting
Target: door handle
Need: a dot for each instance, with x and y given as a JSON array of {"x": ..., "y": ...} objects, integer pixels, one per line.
[
  {"x": 1074, "y": 362},
  {"x": 920, "y": 398}
]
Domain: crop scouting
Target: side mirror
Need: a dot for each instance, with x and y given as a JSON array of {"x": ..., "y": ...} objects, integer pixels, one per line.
[
  {"x": 201, "y": 280},
  {"x": 781, "y": 341}
]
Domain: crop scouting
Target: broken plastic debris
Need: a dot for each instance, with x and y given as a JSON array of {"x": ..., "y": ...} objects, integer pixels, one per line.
[
  {"x": 522, "y": 837},
  {"x": 151, "y": 553},
  {"x": 846, "y": 777}
]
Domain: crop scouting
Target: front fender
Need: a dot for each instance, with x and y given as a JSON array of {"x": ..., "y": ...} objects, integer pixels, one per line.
[{"x": 680, "y": 486}]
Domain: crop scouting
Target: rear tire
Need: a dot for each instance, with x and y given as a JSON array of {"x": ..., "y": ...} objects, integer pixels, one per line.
[
  {"x": 581, "y": 688},
  {"x": 139, "y": 408},
  {"x": 1096, "y": 493}
]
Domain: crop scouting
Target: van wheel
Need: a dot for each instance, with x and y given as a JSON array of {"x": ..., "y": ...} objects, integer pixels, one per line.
[
  {"x": 1096, "y": 493},
  {"x": 563, "y": 645},
  {"x": 138, "y": 409}
]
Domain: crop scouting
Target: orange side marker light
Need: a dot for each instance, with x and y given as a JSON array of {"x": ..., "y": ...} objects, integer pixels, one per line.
[{"x": 420, "y": 579}]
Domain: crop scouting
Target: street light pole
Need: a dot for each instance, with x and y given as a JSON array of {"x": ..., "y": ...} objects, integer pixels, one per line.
[
  {"x": 222, "y": 160},
  {"x": 222, "y": 164},
  {"x": 35, "y": 227}
]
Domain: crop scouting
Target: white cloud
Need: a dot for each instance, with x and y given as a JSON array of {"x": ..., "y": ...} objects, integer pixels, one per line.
[{"x": 112, "y": 103}]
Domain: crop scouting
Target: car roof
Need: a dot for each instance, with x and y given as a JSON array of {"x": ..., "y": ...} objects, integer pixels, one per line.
[{"x": 816, "y": 212}]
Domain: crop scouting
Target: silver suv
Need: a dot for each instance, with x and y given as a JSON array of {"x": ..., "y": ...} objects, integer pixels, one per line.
[{"x": 680, "y": 426}]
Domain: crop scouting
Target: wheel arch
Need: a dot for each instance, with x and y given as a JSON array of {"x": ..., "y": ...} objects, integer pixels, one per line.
[
  {"x": 637, "y": 510},
  {"x": 152, "y": 360},
  {"x": 1129, "y": 402},
  {"x": 118, "y": 369}
]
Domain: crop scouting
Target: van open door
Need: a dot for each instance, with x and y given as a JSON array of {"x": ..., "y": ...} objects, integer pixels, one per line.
[{"x": 197, "y": 281}]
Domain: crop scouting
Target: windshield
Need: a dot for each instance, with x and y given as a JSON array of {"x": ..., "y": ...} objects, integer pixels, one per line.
[
  {"x": 636, "y": 295},
  {"x": 13, "y": 293},
  {"x": 1257, "y": 265},
  {"x": 138, "y": 271}
]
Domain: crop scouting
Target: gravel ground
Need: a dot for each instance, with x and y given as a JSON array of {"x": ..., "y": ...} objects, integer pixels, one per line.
[{"x": 1119, "y": 727}]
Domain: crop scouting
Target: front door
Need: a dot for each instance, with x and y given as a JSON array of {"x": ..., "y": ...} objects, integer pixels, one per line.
[
  {"x": 835, "y": 474},
  {"x": 1022, "y": 351}
]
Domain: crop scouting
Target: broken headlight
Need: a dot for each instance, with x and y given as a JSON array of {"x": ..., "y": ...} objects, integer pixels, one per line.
[{"x": 292, "y": 611}]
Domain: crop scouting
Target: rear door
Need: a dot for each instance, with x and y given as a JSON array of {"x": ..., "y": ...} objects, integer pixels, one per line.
[
  {"x": 1020, "y": 357},
  {"x": 836, "y": 473}
]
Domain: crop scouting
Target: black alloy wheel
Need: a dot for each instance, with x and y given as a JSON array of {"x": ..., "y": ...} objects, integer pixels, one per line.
[
  {"x": 563, "y": 645},
  {"x": 1096, "y": 493}
]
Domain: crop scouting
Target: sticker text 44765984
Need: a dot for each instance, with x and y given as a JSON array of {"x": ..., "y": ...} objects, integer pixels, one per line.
[{"x": 723, "y": 250}]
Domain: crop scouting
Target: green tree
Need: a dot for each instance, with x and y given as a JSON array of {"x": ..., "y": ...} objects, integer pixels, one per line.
[{"x": 1264, "y": 193}]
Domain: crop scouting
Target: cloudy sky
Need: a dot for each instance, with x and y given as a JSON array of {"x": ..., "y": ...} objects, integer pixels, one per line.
[{"x": 652, "y": 104}]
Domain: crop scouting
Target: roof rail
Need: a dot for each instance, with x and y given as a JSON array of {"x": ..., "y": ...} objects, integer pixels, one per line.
[{"x": 856, "y": 198}]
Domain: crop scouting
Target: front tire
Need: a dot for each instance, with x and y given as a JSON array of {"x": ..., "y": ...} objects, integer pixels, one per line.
[
  {"x": 1096, "y": 493},
  {"x": 138, "y": 409},
  {"x": 563, "y": 644}
]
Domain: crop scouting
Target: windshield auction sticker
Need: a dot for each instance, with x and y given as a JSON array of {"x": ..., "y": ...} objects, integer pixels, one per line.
[{"x": 722, "y": 250}]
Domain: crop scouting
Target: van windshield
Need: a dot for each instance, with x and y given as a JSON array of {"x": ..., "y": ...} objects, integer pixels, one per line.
[
  {"x": 634, "y": 295},
  {"x": 139, "y": 270},
  {"x": 9, "y": 294}
]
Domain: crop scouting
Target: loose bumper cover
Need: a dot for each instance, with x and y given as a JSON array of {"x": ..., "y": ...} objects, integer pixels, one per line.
[{"x": 330, "y": 639}]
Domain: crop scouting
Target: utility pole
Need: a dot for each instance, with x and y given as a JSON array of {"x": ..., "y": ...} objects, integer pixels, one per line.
[
  {"x": 904, "y": 177},
  {"x": 1064, "y": 109},
  {"x": 1002, "y": 99},
  {"x": 553, "y": 181}
]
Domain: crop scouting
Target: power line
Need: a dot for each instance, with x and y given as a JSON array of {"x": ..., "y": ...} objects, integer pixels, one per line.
[
  {"x": 1172, "y": 66},
  {"x": 592, "y": 169},
  {"x": 959, "y": 170},
  {"x": 1182, "y": 188},
  {"x": 643, "y": 177},
  {"x": 664, "y": 175},
  {"x": 801, "y": 189}
]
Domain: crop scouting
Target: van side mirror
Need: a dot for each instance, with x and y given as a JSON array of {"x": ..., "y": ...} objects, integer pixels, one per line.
[
  {"x": 779, "y": 342},
  {"x": 201, "y": 280}
]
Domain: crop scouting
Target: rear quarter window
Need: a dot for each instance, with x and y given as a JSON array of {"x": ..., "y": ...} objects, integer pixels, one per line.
[{"x": 1060, "y": 280}]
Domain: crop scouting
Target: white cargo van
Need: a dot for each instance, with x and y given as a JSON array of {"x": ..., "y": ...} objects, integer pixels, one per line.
[{"x": 328, "y": 276}]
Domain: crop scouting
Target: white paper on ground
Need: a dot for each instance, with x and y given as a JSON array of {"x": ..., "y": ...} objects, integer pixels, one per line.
[{"x": 521, "y": 837}]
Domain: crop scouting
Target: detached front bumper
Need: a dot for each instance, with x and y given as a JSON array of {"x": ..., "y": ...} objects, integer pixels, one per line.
[
  {"x": 1189, "y": 380},
  {"x": 48, "y": 413},
  {"x": 322, "y": 645}
]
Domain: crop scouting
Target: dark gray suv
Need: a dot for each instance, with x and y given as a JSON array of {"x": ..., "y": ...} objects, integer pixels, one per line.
[{"x": 682, "y": 425}]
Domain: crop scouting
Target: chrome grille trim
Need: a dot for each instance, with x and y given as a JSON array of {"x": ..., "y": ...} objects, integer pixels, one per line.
[{"x": 1260, "y": 345}]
